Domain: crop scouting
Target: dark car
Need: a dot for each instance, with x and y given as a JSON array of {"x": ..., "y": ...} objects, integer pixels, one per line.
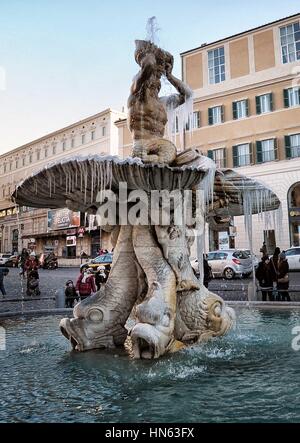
[{"x": 12, "y": 261}]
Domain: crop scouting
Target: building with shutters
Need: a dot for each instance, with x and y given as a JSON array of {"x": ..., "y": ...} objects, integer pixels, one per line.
[{"x": 247, "y": 117}]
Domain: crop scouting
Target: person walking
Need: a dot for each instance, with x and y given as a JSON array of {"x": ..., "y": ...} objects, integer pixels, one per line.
[
  {"x": 283, "y": 278},
  {"x": 274, "y": 268},
  {"x": 3, "y": 273},
  {"x": 85, "y": 284},
  {"x": 264, "y": 276},
  {"x": 23, "y": 257}
]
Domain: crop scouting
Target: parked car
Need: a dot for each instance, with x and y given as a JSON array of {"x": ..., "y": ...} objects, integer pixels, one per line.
[
  {"x": 293, "y": 258},
  {"x": 230, "y": 263},
  {"x": 104, "y": 260},
  {"x": 4, "y": 258},
  {"x": 254, "y": 258},
  {"x": 12, "y": 261}
]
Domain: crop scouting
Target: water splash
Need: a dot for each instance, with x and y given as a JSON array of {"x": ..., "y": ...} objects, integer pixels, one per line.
[{"x": 152, "y": 29}]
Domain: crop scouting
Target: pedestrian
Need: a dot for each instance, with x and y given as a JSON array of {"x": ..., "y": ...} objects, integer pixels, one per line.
[
  {"x": 23, "y": 257},
  {"x": 274, "y": 265},
  {"x": 33, "y": 289},
  {"x": 3, "y": 273},
  {"x": 264, "y": 250},
  {"x": 85, "y": 284},
  {"x": 283, "y": 278},
  {"x": 207, "y": 272},
  {"x": 264, "y": 276},
  {"x": 31, "y": 268},
  {"x": 70, "y": 294},
  {"x": 100, "y": 277}
]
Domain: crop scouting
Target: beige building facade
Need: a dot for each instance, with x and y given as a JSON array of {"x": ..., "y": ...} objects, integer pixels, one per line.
[{"x": 41, "y": 229}]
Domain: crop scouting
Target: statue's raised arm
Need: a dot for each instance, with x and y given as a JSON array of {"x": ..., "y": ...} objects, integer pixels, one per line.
[{"x": 185, "y": 93}]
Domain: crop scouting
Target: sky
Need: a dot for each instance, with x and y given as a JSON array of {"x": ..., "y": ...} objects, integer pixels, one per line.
[{"x": 65, "y": 60}]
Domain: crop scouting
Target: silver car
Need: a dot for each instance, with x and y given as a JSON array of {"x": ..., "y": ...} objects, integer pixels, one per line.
[
  {"x": 230, "y": 263},
  {"x": 293, "y": 258}
]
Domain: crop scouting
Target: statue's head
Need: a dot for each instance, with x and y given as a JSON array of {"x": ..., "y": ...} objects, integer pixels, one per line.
[{"x": 144, "y": 47}]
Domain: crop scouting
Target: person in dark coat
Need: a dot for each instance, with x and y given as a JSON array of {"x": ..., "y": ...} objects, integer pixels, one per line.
[
  {"x": 23, "y": 258},
  {"x": 264, "y": 276},
  {"x": 207, "y": 273},
  {"x": 283, "y": 278},
  {"x": 70, "y": 294},
  {"x": 3, "y": 273},
  {"x": 274, "y": 264}
]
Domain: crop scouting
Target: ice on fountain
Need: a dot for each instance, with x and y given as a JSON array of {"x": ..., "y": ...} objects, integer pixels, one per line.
[{"x": 179, "y": 119}]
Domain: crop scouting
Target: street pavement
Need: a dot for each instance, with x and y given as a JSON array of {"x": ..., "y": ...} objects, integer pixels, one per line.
[{"x": 52, "y": 281}]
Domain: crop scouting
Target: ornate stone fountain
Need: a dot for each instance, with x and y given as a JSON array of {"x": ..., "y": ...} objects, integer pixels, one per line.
[{"x": 151, "y": 277}]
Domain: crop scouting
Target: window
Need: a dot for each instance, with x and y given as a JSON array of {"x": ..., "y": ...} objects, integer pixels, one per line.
[
  {"x": 291, "y": 97},
  {"x": 83, "y": 139},
  {"x": 38, "y": 155},
  {"x": 196, "y": 121},
  {"x": 17, "y": 164},
  {"x": 72, "y": 142},
  {"x": 216, "y": 65},
  {"x": 64, "y": 145},
  {"x": 240, "y": 109},
  {"x": 290, "y": 42},
  {"x": 103, "y": 131},
  {"x": 264, "y": 103},
  {"x": 30, "y": 157},
  {"x": 93, "y": 135},
  {"x": 266, "y": 150},
  {"x": 4, "y": 168},
  {"x": 242, "y": 155},
  {"x": 23, "y": 161},
  {"x": 10, "y": 165},
  {"x": 215, "y": 115},
  {"x": 46, "y": 152},
  {"x": 218, "y": 156},
  {"x": 292, "y": 146},
  {"x": 54, "y": 149}
]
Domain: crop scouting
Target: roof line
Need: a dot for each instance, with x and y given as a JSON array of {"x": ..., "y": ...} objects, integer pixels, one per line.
[
  {"x": 205, "y": 45},
  {"x": 58, "y": 131}
]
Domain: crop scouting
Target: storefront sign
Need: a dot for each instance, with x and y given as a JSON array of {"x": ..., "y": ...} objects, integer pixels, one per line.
[
  {"x": 71, "y": 240},
  {"x": 62, "y": 219},
  {"x": 223, "y": 240}
]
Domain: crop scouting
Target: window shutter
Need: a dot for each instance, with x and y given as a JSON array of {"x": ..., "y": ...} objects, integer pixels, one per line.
[
  {"x": 275, "y": 149},
  {"x": 251, "y": 153},
  {"x": 258, "y": 107},
  {"x": 210, "y": 116},
  {"x": 224, "y": 158},
  {"x": 235, "y": 156},
  {"x": 288, "y": 152},
  {"x": 210, "y": 154},
  {"x": 247, "y": 107},
  {"x": 271, "y": 102},
  {"x": 234, "y": 111},
  {"x": 286, "y": 98},
  {"x": 259, "y": 156},
  {"x": 222, "y": 113}
]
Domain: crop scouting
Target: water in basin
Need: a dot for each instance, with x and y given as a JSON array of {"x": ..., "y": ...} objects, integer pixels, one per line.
[{"x": 250, "y": 375}]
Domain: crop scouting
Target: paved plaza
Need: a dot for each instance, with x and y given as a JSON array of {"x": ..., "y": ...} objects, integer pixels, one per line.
[{"x": 53, "y": 281}]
